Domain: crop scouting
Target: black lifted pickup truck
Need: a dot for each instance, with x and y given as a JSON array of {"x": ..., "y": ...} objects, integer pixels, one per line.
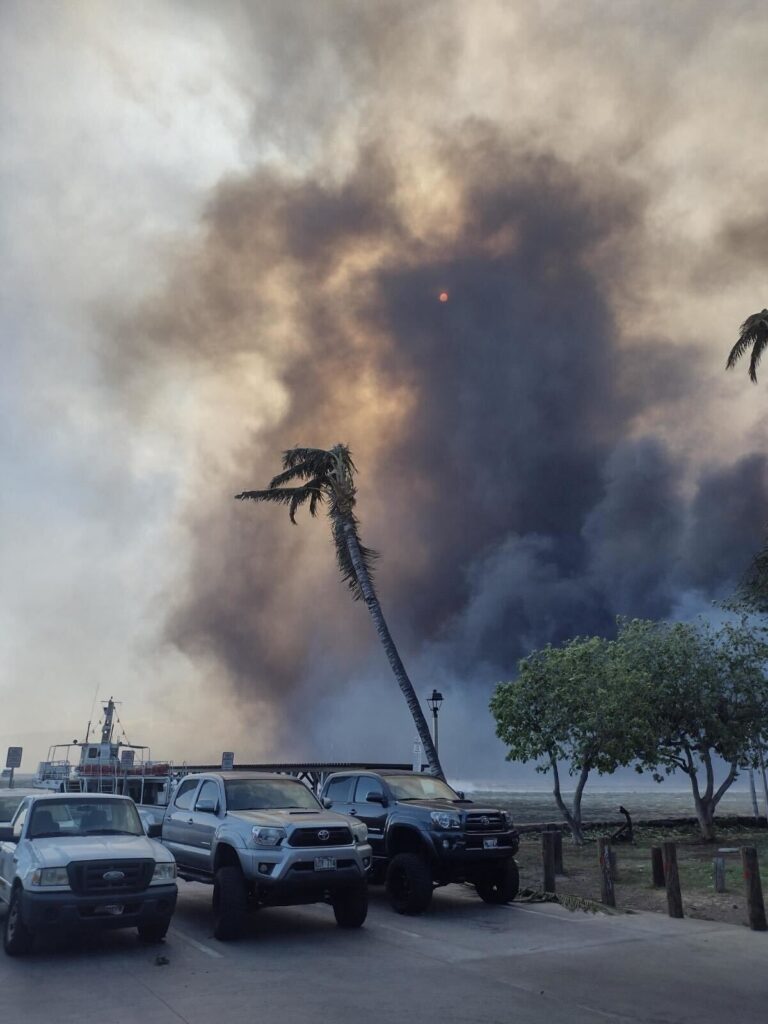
[{"x": 424, "y": 834}]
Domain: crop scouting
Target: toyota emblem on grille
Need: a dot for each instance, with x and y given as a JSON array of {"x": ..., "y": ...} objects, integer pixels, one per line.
[
  {"x": 485, "y": 821},
  {"x": 324, "y": 834},
  {"x": 113, "y": 876}
]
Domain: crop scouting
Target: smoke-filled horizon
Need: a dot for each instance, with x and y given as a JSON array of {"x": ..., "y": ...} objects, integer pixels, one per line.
[{"x": 497, "y": 251}]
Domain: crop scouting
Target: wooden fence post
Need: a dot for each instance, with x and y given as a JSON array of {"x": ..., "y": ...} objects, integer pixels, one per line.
[
  {"x": 657, "y": 867},
  {"x": 559, "y": 869},
  {"x": 672, "y": 879},
  {"x": 718, "y": 872},
  {"x": 612, "y": 860},
  {"x": 607, "y": 895},
  {"x": 755, "y": 904},
  {"x": 548, "y": 860}
]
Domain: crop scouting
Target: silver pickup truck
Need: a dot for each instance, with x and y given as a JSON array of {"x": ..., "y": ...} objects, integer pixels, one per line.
[
  {"x": 266, "y": 840},
  {"x": 82, "y": 861}
]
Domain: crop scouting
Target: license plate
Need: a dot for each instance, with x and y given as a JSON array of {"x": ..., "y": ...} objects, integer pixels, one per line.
[
  {"x": 489, "y": 844},
  {"x": 325, "y": 863},
  {"x": 111, "y": 909}
]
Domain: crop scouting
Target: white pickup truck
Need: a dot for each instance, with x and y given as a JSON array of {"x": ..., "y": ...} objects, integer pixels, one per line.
[{"x": 82, "y": 861}]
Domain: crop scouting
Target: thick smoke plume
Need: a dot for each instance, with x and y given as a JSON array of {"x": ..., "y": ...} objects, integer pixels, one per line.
[{"x": 499, "y": 474}]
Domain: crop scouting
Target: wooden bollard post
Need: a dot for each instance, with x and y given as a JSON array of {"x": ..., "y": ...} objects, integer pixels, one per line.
[
  {"x": 614, "y": 865},
  {"x": 755, "y": 904},
  {"x": 607, "y": 895},
  {"x": 548, "y": 861},
  {"x": 559, "y": 869},
  {"x": 718, "y": 873},
  {"x": 672, "y": 880},
  {"x": 657, "y": 867}
]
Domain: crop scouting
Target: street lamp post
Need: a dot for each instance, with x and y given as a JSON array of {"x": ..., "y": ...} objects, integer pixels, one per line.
[{"x": 434, "y": 702}]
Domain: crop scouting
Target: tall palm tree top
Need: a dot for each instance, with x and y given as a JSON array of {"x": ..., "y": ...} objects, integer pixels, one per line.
[
  {"x": 752, "y": 333},
  {"x": 329, "y": 478}
]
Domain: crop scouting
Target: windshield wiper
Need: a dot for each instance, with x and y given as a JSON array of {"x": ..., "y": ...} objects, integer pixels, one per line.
[{"x": 108, "y": 832}]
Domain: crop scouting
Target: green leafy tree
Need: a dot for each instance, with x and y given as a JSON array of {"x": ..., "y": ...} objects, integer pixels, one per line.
[
  {"x": 329, "y": 478},
  {"x": 753, "y": 334},
  {"x": 566, "y": 707},
  {"x": 701, "y": 695}
]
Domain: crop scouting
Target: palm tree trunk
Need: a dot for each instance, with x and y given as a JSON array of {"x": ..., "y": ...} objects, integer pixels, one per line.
[{"x": 369, "y": 595}]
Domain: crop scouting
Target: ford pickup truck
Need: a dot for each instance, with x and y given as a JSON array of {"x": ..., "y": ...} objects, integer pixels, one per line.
[{"x": 82, "y": 861}]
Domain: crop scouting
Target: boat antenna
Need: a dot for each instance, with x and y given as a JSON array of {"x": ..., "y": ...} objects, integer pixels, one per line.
[{"x": 90, "y": 717}]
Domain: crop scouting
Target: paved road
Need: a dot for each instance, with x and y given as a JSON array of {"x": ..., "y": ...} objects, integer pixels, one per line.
[{"x": 462, "y": 962}]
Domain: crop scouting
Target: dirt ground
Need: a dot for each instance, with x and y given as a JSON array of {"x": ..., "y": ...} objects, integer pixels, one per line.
[{"x": 633, "y": 886}]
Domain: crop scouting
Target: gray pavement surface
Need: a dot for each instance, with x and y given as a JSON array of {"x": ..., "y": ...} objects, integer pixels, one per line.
[{"x": 461, "y": 962}]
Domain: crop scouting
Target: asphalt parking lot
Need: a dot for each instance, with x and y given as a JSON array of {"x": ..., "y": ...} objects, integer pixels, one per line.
[{"x": 462, "y": 961}]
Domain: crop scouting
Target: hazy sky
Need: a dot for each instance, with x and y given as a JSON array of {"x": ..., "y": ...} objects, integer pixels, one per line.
[{"x": 225, "y": 227}]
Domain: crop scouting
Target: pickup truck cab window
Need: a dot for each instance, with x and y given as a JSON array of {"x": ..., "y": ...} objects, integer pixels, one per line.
[
  {"x": 367, "y": 784},
  {"x": 339, "y": 791},
  {"x": 208, "y": 791},
  {"x": 185, "y": 794}
]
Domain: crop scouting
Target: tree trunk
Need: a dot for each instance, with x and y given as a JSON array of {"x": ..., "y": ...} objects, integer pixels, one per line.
[
  {"x": 573, "y": 821},
  {"x": 705, "y": 813},
  {"x": 369, "y": 595}
]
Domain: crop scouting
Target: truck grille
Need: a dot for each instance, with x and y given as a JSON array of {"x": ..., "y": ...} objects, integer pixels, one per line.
[
  {"x": 485, "y": 823},
  {"x": 340, "y": 836},
  {"x": 87, "y": 877}
]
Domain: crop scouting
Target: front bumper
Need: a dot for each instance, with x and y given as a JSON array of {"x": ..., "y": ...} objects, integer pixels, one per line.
[
  {"x": 460, "y": 854},
  {"x": 46, "y": 911},
  {"x": 287, "y": 876}
]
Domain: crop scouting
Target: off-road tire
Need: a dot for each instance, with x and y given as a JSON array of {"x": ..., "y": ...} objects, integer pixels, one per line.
[
  {"x": 409, "y": 883},
  {"x": 17, "y": 938},
  {"x": 499, "y": 883},
  {"x": 350, "y": 906},
  {"x": 230, "y": 903},
  {"x": 153, "y": 931}
]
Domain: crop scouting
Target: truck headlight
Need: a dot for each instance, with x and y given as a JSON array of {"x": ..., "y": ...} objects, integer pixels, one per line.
[
  {"x": 267, "y": 835},
  {"x": 50, "y": 876},
  {"x": 507, "y": 817},
  {"x": 165, "y": 871},
  {"x": 444, "y": 819},
  {"x": 359, "y": 831}
]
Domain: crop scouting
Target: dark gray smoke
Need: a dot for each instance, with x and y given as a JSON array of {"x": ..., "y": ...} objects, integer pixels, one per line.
[{"x": 499, "y": 475}]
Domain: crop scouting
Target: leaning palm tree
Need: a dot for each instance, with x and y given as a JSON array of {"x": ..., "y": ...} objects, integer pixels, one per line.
[
  {"x": 753, "y": 334},
  {"x": 329, "y": 477}
]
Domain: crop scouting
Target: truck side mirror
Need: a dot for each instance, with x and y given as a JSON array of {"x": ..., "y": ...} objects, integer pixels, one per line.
[
  {"x": 377, "y": 798},
  {"x": 7, "y": 836},
  {"x": 154, "y": 830},
  {"x": 207, "y": 805},
  {"x": 327, "y": 804}
]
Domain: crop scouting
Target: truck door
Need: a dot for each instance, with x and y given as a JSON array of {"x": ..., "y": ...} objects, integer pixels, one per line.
[
  {"x": 373, "y": 814},
  {"x": 178, "y": 821},
  {"x": 204, "y": 824}
]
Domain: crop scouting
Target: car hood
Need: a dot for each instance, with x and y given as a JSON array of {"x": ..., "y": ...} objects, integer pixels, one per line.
[
  {"x": 289, "y": 819},
  {"x": 58, "y": 851},
  {"x": 462, "y": 809}
]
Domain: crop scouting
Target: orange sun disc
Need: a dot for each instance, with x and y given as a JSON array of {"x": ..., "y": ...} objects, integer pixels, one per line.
[{"x": 443, "y": 296}]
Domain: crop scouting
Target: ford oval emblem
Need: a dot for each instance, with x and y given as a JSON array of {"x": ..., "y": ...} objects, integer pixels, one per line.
[
  {"x": 113, "y": 876},
  {"x": 324, "y": 834}
]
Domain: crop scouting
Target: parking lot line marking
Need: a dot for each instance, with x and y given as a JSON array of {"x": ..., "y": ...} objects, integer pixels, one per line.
[{"x": 198, "y": 945}]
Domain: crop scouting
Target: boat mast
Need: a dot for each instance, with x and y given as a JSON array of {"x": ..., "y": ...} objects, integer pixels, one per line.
[{"x": 108, "y": 726}]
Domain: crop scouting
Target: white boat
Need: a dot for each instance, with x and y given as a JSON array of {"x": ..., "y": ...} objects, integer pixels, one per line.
[{"x": 108, "y": 765}]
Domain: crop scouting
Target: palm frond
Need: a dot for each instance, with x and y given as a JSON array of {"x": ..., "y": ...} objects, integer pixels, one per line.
[
  {"x": 301, "y": 471},
  {"x": 753, "y": 333},
  {"x": 317, "y": 456},
  {"x": 282, "y": 496}
]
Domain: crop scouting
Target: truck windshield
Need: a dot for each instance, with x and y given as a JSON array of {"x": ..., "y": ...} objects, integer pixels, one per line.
[
  {"x": 266, "y": 794},
  {"x": 76, "y": 817},
  {"x": 419, "y": 787}
]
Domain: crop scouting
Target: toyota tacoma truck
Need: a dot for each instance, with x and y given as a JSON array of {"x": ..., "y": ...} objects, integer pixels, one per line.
[
  {"x": 424, "y": 834},
  {"x": 266, "y": 840},
  {"x": 82, "y": 861}
]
